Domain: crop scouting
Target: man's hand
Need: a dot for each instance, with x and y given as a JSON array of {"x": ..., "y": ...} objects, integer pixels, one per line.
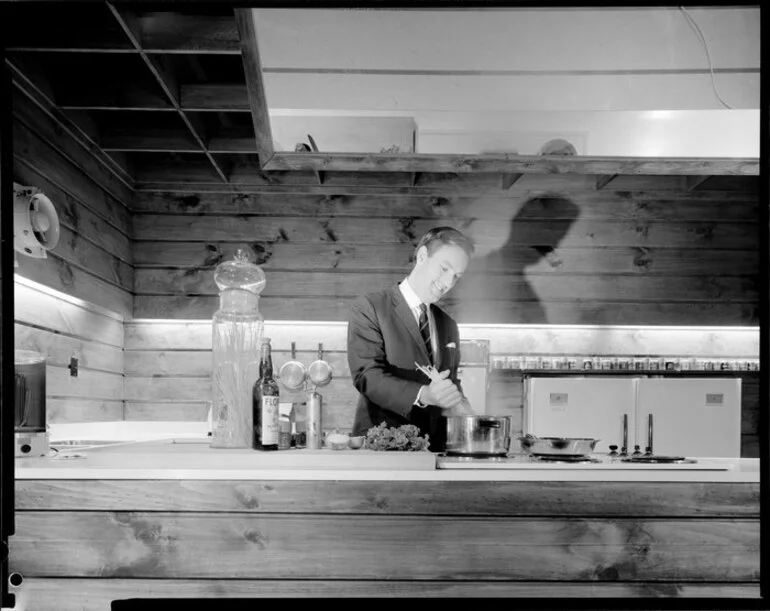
[{"x": 442, "y": 392}]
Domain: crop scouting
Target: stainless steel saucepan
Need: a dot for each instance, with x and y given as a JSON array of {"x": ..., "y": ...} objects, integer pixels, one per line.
[
  {"x": 561, "y": 446},
  {"x": 478, "y": 435}
]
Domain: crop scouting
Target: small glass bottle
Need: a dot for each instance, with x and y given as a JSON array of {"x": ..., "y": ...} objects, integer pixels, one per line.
[
  {"x": 301, "y": 434},
  {"x": 266, "y": 398},
  {"x": 284, "y": 439}
]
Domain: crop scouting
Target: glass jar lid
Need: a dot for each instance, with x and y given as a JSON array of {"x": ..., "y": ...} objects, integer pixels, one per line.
[{"x": 240, "y": 273}]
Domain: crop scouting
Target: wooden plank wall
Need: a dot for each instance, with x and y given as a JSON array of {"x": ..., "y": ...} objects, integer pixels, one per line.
[
  {"x": 93, "y": 259},
  {"x": 551, "y": 249},
  {"x": 644, "y": 250},
  {"x": 61, "y": 328},
  {"x": 168, "y": 367},
  {"x": 215, "y": 539},
  {"x": 92, "y": 262},
  {"x": 168, "y": 370}
]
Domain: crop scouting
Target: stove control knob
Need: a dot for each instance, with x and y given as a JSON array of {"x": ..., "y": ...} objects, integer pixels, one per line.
[
  {"x": 613, "y": 450},
  {"x": 637, "y": 451},
  {"x": 648, "y": 451}
]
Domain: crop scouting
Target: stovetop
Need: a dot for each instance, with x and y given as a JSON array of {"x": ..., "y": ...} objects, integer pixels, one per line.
[{"x": 593, "y": 461}]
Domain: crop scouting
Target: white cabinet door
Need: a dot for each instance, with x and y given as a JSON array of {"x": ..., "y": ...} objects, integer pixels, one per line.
[
  {"x": 581, "y": 407},
  {"x": 691, "y": 417}
]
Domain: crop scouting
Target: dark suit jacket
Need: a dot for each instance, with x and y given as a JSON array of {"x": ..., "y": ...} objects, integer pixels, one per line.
[{"x": 384, "y": 342}]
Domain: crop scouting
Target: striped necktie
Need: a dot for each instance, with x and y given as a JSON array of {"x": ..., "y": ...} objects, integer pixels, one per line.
[{"x": 425, "y": 330}]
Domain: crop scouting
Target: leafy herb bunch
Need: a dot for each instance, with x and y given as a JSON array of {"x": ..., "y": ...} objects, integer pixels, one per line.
[{"x": 405, "y": 438}]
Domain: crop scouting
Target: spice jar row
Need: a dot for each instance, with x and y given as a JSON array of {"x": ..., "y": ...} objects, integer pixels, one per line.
[{"x": 622, "y": 363}]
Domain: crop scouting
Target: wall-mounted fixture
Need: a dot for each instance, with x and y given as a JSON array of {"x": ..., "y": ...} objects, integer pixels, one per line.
[{"x": 35, "y": 223}]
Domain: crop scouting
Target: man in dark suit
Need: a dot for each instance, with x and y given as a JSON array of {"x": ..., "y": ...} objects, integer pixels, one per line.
[{"x": 391, "y": 330}]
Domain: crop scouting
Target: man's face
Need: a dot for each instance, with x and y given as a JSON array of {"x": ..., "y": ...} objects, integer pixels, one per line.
[{"x": 435, "y": 274}]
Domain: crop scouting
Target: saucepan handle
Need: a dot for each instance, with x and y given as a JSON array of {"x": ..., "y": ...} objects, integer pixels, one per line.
[{"x": 490, "y": 424}]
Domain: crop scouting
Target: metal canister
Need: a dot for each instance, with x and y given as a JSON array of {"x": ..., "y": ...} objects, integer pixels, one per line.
[{"x": 314, "y": 422}]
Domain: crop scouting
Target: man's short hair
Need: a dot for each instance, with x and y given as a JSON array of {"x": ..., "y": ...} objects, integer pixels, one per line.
[{"x": 442, "y": 236}]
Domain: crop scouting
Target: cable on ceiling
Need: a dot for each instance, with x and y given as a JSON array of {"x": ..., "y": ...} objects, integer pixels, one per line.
[{"x": 702, "y": 38}]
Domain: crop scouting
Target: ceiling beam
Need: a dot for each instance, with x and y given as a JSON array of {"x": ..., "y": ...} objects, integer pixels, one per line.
[
  {"x": 131, "y": 26},
  {"x": 252, "y": 68},
  {"x": 511, "y": 164},
  {"x": 33, "y": 84}
]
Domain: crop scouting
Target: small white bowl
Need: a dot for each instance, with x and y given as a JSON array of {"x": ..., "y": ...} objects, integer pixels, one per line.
[{"x": 337, "y": 441}]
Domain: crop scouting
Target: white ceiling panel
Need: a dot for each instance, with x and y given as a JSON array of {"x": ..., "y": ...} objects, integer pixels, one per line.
[
  {"x": 507, "y": 40},
  {"x": 452, "y": 69}
]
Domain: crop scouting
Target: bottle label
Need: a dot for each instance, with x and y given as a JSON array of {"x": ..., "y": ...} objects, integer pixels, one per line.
[
  {"x": 270, "y": 425},
  {"x": 220, "y": 422}
]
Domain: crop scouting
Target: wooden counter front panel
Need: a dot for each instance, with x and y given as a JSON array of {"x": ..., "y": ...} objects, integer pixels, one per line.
[
  {"x": 80, "y": 544},
  {"x": 230, "y": 545},
  {"x": 469, "y": 498}
]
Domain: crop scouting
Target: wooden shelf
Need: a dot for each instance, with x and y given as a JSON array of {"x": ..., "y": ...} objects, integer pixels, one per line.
[{"x": 513, "y": 164}]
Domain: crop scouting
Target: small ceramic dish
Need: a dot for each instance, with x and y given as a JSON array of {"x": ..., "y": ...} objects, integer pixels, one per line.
[{"x": 356, "y": 442}]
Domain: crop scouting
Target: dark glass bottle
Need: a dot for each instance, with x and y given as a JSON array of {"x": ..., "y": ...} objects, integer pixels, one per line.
[{"x": 265, "y": 403}]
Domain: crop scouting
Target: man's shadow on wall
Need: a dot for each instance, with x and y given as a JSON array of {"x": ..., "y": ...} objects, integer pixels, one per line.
[{"x": 495, "y": 288}]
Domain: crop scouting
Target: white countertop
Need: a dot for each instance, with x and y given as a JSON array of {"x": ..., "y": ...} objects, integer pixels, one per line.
[{"x": 192, "y": 459}]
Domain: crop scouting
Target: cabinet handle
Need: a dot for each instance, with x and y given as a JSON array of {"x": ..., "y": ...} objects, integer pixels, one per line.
[{"x": 490, "y": 424}]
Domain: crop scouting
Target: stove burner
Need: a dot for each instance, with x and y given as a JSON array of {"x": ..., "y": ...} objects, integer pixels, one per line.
[
  {"x": 568, "y": 458},
  {"x": 474, "y": 456},
  {"x": 558, "y": 456},
  {"x": 679, "y": 460}
]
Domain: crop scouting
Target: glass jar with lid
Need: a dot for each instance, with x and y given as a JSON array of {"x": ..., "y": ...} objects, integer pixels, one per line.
[{"x": 237, "y": 328}]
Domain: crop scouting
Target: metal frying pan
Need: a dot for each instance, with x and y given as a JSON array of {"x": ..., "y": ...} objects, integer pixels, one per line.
[
  {"x": 292, "y": 373},
  {"x": 319, "y": 372}
]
